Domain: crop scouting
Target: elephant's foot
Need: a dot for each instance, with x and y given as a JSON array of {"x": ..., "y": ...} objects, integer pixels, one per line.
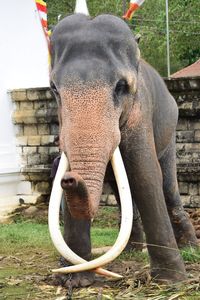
[
  {"x": 136, "y": 239},
  {"x": 81, "y": 279},
  {"x": 168, "y": 270},
  {"x": 183, "y": 229},
  {"x": 72, "y": 280},
  {"x": 167, "y": 276}
]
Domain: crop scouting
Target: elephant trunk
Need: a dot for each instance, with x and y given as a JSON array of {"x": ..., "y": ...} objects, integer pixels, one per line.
[
  {"x": 77, "y": 195},
  {"x": 83, "y": 185}
]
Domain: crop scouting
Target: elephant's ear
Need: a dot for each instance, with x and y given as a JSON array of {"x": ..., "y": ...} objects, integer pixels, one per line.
[{"x": 137, "y": 38}]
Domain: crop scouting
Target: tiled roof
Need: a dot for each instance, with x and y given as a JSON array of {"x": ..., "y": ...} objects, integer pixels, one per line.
[{"x": 190, "y": 71}]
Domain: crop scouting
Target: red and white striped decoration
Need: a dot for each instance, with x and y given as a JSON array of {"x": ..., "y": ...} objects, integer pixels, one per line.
[
  {"x": 42, "y": 11},
  {"x": 133, "y": 6}
]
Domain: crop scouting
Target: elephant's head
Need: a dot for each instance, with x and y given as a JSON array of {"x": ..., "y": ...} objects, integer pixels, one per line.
[{"x": 94, "y": 78}]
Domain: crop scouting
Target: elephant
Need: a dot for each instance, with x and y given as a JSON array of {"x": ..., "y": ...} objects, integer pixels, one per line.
[{"x": 108, "y": 96}]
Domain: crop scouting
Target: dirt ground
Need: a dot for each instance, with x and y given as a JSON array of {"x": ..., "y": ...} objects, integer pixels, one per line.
[
  {"x": 195, "y": 218},
  {"x": 25, "y": 276}
]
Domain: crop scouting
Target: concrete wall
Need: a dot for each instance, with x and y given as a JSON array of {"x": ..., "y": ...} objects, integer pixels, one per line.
[{"x": 36, "y": 125}]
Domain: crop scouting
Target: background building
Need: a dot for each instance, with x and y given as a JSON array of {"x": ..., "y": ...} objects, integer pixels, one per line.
[{"x": 23, "y": 64}]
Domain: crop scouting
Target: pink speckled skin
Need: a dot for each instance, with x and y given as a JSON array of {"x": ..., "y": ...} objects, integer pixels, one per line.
[
  {"x": 83, "y": 138},
  {"x": 108, "y": 96}
]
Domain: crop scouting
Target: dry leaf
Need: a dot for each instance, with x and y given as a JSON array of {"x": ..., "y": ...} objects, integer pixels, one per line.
[{"x": 13, "y": 281}]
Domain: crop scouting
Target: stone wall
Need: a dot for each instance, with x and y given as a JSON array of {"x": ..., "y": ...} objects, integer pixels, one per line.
[
  {"x": 186, "y": 91},
  {"x": 36, "y": 123}
]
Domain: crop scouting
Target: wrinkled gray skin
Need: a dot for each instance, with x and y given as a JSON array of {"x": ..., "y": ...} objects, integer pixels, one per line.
[{"x": 107, "y": 96}]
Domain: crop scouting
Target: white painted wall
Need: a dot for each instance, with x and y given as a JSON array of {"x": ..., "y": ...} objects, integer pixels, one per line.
[{"x": 23, "y": 64}]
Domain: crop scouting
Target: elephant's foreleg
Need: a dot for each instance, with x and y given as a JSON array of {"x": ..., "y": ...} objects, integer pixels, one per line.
[
  {"x": 146, "y": 185},
  {"x": 77, "y": 237},
  {"x": 77, "y": 234},
  {"x": 183, "y": 229}
]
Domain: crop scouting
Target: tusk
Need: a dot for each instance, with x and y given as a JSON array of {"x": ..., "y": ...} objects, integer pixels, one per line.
[
  {"x": 81, "y": 7},
  {"x": 53, "y": 220},
  {"x": 125, "y": 229}
]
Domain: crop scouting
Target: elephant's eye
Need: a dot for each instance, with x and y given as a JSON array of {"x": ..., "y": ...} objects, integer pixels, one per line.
[
  {"x": 55, "y": 92},
  {"x": 53, "y": 88},
  {"x": 122, "y": 88}
]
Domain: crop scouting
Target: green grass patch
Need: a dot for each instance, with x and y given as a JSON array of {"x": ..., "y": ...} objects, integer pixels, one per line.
[
  {"x": 191, "y": 254},
  {"x": 103, "y": 236},
  {"x": 107, "y": 217},
  {"x": 17, "y": 236},
  {"x": 135, "y": 255},
  {"x": 19, "y": 291},
  {"x": 30, "y": 235}
]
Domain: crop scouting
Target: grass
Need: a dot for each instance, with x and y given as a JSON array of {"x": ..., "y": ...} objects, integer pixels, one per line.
[
  {"x": 103, "y": 236},
  {"x": 134, "y": 255},
  {"x": 34, "y": 234},
  {"x": 107, "y": 217},
  {"x": 30, "y": 235},
  {"x": 191, "y": 255}
]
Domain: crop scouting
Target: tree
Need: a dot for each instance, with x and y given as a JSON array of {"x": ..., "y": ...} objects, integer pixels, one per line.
[
  {"x": 184, "y": 26},
  {"x": 58, "y": 8},
  {"x": 63, "y": 7},
  {"x": 150, "y": 22},
  {"x": 185, "y": 31}
]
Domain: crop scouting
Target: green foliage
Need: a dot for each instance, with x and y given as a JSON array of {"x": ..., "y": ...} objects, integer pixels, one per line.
[
  {"x": 64, "y": 7},
  {"x": 184, "y": 28},
  {"x": 150, "y": 22},
  {"x": 185, "y": 31},
  {"x": 58, "y": 9}
]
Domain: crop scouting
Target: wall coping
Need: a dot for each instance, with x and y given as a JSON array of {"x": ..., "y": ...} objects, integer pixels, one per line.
[{"x": 183, "y": 84}]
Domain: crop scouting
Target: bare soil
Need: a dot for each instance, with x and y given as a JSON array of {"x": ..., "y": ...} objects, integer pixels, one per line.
[
  {"x": 28, "y": 276},
  {"x": 195, "y": 218}
]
